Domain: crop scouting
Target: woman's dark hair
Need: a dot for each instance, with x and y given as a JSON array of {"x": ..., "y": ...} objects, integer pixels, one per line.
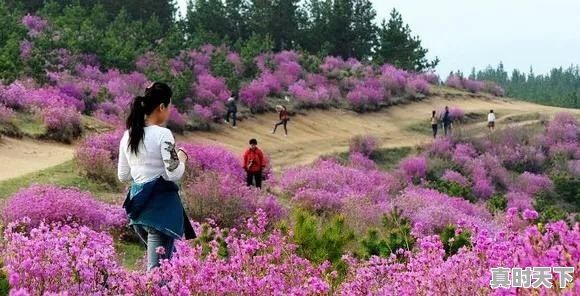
[
  {"x": 253, "y": 142},
  {"x": 157, "y": 94},
  {"x": 434, "y": 113}
]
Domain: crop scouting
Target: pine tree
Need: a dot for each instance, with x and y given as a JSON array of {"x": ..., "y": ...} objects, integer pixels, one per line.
[
  {"x": 364, "y": 29},
  {"x": 340, "y": 28},
  {"x": 398, "y": 47}
]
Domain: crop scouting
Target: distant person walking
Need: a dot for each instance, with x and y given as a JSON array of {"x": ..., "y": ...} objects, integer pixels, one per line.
[
  {"x": 254, "y": 163},
  {"x": 491, "y": 121},
  {"x": 284, "y": 118},
  {"x": 447, "y": 121},
  {"x": 434, "y": 123},
  {"x": 232, "y": 110}
]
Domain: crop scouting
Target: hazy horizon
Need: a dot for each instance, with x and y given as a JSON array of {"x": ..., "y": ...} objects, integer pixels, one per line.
[{"x": 519, "y": 33}]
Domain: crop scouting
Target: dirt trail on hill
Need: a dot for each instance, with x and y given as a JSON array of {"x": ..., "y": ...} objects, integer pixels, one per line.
[
  {"x": 311, "y": 134},
  {"x": 19, "y": 157},
  {"x": 324, "y": 132}
]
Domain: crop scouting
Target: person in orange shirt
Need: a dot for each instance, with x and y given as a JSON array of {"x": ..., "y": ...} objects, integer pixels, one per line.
[{"x": 254, "y": 163}]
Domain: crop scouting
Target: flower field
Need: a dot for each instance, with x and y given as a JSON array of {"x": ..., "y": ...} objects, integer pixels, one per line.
[{"x": 435, "y": 225}]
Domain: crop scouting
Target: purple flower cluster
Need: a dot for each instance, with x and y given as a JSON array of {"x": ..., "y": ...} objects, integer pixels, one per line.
[
  {"x": 418, "y": 85},
  {"x": 214, "y": 158},
  {"x": 455, "y": 177},
  {"x": 430, "y": 210},
  {"x": 53, "y": 204},
  {"x": 26, "y": 48},
  {"x": 55, "y": 259},
  {"x": 177, "y": 121},
  {"x": 34, "y": 24},
  {"x": 327, "y": 185},
  {"x": 365, "y": 145},
  {"x": 5, "y": 113},
  {"x": 531, "y": 183},
  {"x": 414, "y": 167},
  {"x": 98, "y": 155},
  {"x": 428, "y": 271}
]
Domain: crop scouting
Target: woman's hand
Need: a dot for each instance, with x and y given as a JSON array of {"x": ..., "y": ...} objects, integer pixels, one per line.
[{"x": 183, "y": 157}]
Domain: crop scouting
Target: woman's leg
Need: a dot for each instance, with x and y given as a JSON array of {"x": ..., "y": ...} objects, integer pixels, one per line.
[
  {"x": 156, "y": 239},
  {"x": 249, "y": 179},
  {"x": 234, "y": 117},
  {"x": 276, "y": 126},
  {"x": 434, "y": 126},
  {"x": 285, "y": 128}
]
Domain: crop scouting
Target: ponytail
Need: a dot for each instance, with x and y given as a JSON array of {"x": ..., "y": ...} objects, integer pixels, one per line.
[
  {"x": 157, "y": 94},
  {"x": 136, "y": 123}
]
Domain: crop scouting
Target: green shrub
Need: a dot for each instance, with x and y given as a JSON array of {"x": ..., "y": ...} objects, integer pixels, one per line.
[
  {"x": 498, "y": 203},
  {"x": 395, "y": 235},
  {"x": 452, "y": 242},
  {"x": 568, "y": 189},
  {"x": 321, "y": 241},
  {"x": 453, "y": 189},
  {"x": 4, "y": 285},
  {"x": 548, "y": 211}
]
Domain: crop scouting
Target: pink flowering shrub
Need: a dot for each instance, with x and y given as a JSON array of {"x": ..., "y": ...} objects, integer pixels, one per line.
[
  {"x": 418, "y": 85},
  {"x": 455, "y": 177},
  {"x": 215, "y": 159},
  {"x": 430, "y": 210},
  {"x": 361, "y": 161},
  {"x": 457, "y": 114},
  {"x": 5, "y": 113},
  {"x": 225, "y": 199},
  {"x": 414, "y": 168},
  {"x": 26, "y": 48},
  {"x": 212, "y": 92},
  {"x": 519, "y": 200},
  {"x": 428, "y": 271},
  {"x": 393, "y": 79},
  {"x": 473, "y": 86},
  {"x": 257, "y": 263},
  {"x": 62, "y": 124},
  {"x": 98, "y": 155},
  {"x": 74, "y": 260},
  {"x": 454, "y": 82},
  {"x": 327, "y": 184},
  {"x": 531, "y": 184},
  {"x": 366, "y": 95},
  {"x": 34, "y": 24},
  {"x": 52, "y": 204},
  {"x": 365, "y": 145},
  {"x": 177, "y": 121},
  {"x": 254, "y": 95}
]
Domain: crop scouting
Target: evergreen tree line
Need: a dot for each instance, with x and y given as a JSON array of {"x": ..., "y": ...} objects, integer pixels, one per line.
[
  {"x": 560, "y": 87},
  {"x": 345, "y": 28}
]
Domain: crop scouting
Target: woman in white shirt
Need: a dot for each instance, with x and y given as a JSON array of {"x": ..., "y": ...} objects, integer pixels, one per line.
[
  {"x": 491, "y": 120},
  {"x": 148, "y": 158}
]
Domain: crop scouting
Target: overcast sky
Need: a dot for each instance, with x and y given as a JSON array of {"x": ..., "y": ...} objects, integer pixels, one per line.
[{"x": 463, "y": 34}]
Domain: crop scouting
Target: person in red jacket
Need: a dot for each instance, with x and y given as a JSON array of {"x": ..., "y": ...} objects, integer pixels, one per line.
[
  {"x": 284, "y": 118},
  {"x": 254, "y": 163}
]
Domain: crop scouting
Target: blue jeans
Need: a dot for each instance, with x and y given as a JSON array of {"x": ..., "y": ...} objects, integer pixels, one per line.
[{"x": 154, "y": 239}]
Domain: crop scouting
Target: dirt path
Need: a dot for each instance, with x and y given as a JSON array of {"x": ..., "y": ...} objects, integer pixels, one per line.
[
  {"x": 312, "y": 134},
  {"x": 323, "y": 132},
  {"x": 21, "y": 157}
]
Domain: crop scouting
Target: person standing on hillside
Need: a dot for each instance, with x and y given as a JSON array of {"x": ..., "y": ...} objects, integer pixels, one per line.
[
  {"x": 434, "y": 123},
  {"x": 447, "y": 121},
  {"x": 254, "y": 163},
  {"x": 284, "y": 118},
  {"x": 148, "y": 159},
  {"x": 491, "y": 121},
  {"x": 232, "y": 110}
]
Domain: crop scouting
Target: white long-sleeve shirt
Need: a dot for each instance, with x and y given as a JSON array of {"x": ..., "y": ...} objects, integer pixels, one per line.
[
  {"x": 156, "y": 157},
  {"x": 491, "y": 117}
]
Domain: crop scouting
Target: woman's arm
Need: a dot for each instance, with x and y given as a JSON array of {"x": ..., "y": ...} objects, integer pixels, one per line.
[
  {"x": 174, "y": 167},
  {"x": 123, "y": 168}
]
